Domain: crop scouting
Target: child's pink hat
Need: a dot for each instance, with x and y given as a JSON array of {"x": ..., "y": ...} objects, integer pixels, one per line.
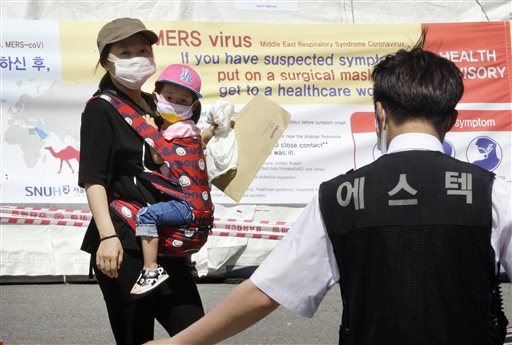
[{"x": 182, "y": 75}]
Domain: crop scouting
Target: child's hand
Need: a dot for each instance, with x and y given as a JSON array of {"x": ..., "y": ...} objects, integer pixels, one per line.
[
  {"x": 150, "y": 120},
  {"x": 207, "y": 134}
]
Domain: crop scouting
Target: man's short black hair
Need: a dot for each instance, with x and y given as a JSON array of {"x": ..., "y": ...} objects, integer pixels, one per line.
[{"x": 417, "y": 84}]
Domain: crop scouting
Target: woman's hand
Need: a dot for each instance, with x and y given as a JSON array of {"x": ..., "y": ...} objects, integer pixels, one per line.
[{"x": 109, "y": 257}]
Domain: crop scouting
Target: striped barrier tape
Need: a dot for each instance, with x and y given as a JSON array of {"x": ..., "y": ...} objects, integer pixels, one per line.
[
  {"x": 263, "y": 236},
  {"x": 81, "y": 218}
]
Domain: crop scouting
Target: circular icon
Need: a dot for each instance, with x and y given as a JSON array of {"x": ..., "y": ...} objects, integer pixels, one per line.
[
  {"x": 126, "y": 211},
  {"x": 448, "y": 148},
  {"x": 205, "y": 195},
  {"x": 177, "y": 243},
  {"x": 484, "y": 152},
  {"x": 184, "y": 181},
  {"x": 128, "y": 120},
  {"x": 202, "y": 165},
  {"x": 180, "y": 151},
  {"x": 189, "y": 233},
  {"x": 150, "y": 142}
]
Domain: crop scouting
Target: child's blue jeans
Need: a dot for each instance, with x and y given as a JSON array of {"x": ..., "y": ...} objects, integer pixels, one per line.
[{"x": 172, "y": 213}]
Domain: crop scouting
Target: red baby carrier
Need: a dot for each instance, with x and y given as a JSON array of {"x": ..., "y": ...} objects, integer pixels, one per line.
[{"x": 173, "y": 241}]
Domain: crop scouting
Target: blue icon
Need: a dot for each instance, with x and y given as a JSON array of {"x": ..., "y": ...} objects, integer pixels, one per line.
[
  {"x": 484, "y": 152},
  {"x": 448, "y": 148}
]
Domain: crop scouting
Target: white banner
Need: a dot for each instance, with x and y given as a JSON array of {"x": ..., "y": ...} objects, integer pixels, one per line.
[{"x": 319, "y": 73}]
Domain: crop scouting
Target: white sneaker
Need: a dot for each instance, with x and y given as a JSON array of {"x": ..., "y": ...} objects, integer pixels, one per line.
[{"x": 148, "y": 280}]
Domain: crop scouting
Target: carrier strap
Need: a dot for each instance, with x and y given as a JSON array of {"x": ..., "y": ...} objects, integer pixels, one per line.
[{"x": 180, "y": 241}]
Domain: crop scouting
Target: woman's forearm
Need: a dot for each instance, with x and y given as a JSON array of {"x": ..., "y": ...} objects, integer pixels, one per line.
[{"x": 98, "y": 203}]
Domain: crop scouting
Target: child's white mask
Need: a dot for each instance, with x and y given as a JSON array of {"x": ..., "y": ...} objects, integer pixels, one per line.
[{"x": 173, "y": 112}]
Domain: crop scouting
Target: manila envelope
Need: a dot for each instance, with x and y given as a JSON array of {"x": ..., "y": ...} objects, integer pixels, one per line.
[{"x": 258, "y": 127}]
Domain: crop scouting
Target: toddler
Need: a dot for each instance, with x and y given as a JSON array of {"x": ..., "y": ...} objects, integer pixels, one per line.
[{"x": 177, "y": 93}]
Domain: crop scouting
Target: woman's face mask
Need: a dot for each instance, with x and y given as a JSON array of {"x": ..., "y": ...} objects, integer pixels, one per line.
[
  {"x": 132, "y": 73},
  {"x": 172, "y": 112}
]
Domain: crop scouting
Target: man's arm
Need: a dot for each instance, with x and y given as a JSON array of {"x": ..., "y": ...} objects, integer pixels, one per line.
[
  {"x": 502, "y": 223},
  {"x": 241, "y": 308}
]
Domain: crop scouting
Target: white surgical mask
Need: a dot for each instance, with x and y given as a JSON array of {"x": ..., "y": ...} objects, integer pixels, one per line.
[
  {"x": 132, "y": 73},
  {"x": 382, "y": 135},
  {"x": 173, "y": 112}
]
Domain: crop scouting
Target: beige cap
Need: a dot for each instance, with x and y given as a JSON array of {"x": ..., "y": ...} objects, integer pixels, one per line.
[{"x": 122, "y": 28}]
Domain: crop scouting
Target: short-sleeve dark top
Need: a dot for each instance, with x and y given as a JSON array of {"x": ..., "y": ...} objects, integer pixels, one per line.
[{"x": 111, "y": 154}]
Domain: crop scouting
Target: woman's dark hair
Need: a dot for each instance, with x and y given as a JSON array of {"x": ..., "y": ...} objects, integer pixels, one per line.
[
  {"x": 196, "y": 114},
  {"x": 418, "y": 84},
  {"x": 105, "y": 80}
]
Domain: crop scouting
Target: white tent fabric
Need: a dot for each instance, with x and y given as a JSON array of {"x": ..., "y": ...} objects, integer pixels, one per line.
[
  {"x": 51, "y": 250},
  {"x": 342, "y": 11}
]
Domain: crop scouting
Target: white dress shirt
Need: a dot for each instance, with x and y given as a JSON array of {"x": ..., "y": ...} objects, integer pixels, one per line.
[{"x": 302, "y": 268}]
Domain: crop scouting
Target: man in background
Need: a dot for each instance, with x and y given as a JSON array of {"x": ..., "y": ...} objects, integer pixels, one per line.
[{"x": 415, "y": 239}]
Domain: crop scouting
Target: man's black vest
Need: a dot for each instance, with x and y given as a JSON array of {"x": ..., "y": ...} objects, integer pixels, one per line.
[{"x": 411, "y": 233}]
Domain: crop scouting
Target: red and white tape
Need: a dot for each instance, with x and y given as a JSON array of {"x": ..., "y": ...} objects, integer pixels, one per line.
[
  {"x": 80, "y": 218},
  {"x": 44, "y": 216},
  {"x": 230, "y": 233}
]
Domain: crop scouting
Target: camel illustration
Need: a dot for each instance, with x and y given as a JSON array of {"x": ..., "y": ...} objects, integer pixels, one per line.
[{"x": 65, "y": 155}]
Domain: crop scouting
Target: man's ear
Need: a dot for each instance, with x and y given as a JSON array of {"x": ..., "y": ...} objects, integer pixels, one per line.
[
  {"x": 452, "y": 119},
  {"x": 380, "y": 114},
  {"x": 154, "y": 97}
]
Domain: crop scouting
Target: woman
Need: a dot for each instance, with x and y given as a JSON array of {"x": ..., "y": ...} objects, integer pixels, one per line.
[{"x": 112, "y": 157}]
